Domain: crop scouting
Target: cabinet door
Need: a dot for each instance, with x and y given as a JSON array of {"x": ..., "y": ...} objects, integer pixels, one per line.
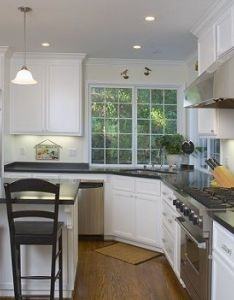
[
  {"x": 148, "y": 220},
  {"x": 27, "y": 102},
  {"x": 207, "y": 122},
  {"x": 123, "y": 214},
  {"x": 64, "y": 98},
  {"x": 222, "y": 279},
  {"x": 206, "y": 49},
  {"x": 224, "y": 28}
]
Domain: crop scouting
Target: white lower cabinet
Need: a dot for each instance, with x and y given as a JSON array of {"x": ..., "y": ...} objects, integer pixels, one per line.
[
  {"x": 123, "y": 214},
  {"x": 136, "y": 210},
  {"x": 148, "y": 220},
  {"x": 222, "y": 263}
]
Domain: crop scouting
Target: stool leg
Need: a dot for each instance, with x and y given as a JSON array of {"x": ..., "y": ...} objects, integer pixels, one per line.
[
  {"x": 14, "y": 262},
  {"x": 53, "y": 266},
  {"x": 61, "y": 267},
  {"x": 18, "y": 259}
]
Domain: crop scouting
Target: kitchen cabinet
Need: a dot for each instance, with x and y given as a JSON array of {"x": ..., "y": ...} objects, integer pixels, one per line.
[
  {"x": 225, "y": 32},
  {"x": 54, "y": 104},
  {"x": 222, "y": 263},
  {"x": 136, "y": 210},
  {"x": 206, "y": 49},
  {"x": 123, "y": 214},
  {"x": 207, "y": 122}
]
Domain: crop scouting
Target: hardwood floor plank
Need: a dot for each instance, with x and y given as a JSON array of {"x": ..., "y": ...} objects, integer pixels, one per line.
[{"x": 104, "y": 278}]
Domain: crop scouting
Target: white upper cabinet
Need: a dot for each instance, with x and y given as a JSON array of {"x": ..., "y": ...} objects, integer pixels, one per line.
[
  {"x": 64, "y": 98},
  {"x": 206, "y": 49},
  {"x": 208, "y": 122},
  {"x": 54, "y": 104},
  {"x": 225, "y": 33},
  {"x": 27, "y": 102}
]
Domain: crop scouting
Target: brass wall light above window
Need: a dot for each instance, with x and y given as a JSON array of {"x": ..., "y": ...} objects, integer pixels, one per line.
[{"x": 24, "y": 76}]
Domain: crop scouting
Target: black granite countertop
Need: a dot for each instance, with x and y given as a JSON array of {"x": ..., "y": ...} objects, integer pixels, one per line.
[
  {"x": 226, "y": 219},
  {"x": 68, "y": 195},
  {"x": 179, "y": 181}
]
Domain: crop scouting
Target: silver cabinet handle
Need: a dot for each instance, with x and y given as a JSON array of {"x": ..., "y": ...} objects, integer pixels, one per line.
[
  {"x": 200, "y": 245},
  {"x": 226, "y": 249}
]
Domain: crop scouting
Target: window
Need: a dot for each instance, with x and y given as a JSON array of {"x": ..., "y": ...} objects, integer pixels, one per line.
[
  {"x": 208, "y": 148},
  {"x": 128, "y": 122},
  {"x": 156, "y": 116}
]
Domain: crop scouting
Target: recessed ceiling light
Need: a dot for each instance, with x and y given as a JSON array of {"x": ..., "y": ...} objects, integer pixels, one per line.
[
  {"x": 137, "y": 46},
  {"x": 149, "y": 18},
  {"x": 45, "y": 44}
]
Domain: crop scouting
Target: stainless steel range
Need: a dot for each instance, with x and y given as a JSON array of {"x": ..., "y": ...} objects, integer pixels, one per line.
[{"x": 196, "y": 207}]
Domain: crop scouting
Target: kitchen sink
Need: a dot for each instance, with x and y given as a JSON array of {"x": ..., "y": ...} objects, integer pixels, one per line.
[{"x": 150, "y": 172}]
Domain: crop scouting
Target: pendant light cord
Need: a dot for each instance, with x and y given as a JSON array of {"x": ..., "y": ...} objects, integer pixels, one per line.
[{"x": 25, "y": 49}]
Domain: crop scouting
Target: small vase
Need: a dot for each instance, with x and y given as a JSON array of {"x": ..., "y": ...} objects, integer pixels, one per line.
[{"x": 173, "y": 160}]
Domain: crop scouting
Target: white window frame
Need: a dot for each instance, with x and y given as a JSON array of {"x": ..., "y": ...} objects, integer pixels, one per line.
[{"x": 134, "y": 88}]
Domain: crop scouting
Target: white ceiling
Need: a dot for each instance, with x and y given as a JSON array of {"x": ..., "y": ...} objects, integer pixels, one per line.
[{"x": 105, "y": 28}]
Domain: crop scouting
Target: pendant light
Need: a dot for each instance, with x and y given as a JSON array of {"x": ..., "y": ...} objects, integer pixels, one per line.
[{"x": 24, "y": 76}]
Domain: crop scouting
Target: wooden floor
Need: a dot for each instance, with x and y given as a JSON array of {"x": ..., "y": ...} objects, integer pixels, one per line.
[{"x": 105, "y": 278}]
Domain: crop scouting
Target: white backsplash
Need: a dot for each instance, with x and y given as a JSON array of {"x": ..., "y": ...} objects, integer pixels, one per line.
[
  {"x": 73, "y": 148},
  {"x": 227, "y": 153}
]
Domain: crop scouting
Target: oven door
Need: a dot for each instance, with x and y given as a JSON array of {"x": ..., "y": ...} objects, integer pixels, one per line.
[{"x": 194, "y": 261}]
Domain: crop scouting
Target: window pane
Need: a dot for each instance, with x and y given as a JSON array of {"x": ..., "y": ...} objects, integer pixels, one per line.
[
  {"x": 143, "y": 111},
  {"x": 155, "y": 158},
  {"x": 170, "y": 96},
  {"x": 143, "y": 156},
  {"x": 97, "y": 125},
  {"x": 97, "y": 94},
  {"x": 111, "y": 141},
  {"x": 143, "y": 96},
  {"x": 111, "y": 95},
  {"x": 98, "y": 156},
  {"x": 98, "y": 109},
  {"x": 171, "y": 111},
  {"x": 125, "y": 141},
  {"x": 111, "y": 110},
  {"x": 156, "y": 128},
  {"x": 143, "y": 141},
  {"x": 125, "y": 125},
  {"x": 98, "y": 141},
  {"x": 125, "y": 156},
  {"x": 125, "y": 95},
  {"x": 111, "y": 156},
  {"x": 111, "y": 126},
  {"x": 157, "y": 96},
  {"x": 143, "y": 126},
  {"x": 171, "y": 127},
  {"x": 125, "y": 110},
  {"x": 155, "y": 144}
]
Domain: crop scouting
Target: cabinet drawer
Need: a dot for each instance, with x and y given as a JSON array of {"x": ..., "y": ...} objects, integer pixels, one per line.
[
  {"x": 168, "y": 245},
  {"x": 223, "y": 243},
  {"x": 150, "y": 187},
  {"x": 123, "y": 183},
  {"x": 168, "y": 218}
]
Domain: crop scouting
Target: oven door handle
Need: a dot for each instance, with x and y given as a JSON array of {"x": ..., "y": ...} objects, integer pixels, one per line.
[{"x": 200, "y": 245}]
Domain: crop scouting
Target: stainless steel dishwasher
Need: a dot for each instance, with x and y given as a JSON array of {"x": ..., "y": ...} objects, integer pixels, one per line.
[{"x": 90, "y": 209}]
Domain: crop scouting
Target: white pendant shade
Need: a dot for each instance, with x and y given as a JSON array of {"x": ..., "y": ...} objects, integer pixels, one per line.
[{"x": 24, "y": 76}]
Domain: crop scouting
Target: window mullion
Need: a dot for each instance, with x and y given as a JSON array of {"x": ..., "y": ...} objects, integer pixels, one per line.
[{"x": 134, "y": 128}]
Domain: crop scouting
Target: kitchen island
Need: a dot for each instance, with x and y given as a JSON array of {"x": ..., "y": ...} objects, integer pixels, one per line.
[{"x": 36, "y": 260}]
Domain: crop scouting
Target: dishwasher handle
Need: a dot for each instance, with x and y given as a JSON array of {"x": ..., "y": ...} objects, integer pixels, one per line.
[{"x": 90, "y": 185}]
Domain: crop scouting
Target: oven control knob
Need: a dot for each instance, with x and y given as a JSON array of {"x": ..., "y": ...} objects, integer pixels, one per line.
[
  {"x": 186, "y": 211},
  {"x": 175, "y": 201},
  {"x": 182, "y": 206},
  {"x": 195, "y": 220},
  {"x": 191, "y": 215},
  {"x": 178, "y": 204}
]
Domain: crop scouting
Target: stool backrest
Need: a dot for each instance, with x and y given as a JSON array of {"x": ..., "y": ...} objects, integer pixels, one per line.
[{"x": 31, "y": 185}]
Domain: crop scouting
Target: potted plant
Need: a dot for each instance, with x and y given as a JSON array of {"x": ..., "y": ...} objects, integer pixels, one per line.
[{"x": 172, "y": 145}]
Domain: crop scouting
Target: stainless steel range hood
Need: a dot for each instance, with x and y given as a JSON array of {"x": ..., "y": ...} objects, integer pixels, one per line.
[{"x": 214, "y": 90}]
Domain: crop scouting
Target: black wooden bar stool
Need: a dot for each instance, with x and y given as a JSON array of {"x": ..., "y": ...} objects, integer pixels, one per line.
[{"x": 34, "y": 232}]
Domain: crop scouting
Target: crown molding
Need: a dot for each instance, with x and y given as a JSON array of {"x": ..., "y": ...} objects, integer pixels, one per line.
[
  {"x": 50, "y": 55},
  {"x": 191, "y": 57},
  {"x": 119, "y": 61},
  {"x": 215, "y": 10}
]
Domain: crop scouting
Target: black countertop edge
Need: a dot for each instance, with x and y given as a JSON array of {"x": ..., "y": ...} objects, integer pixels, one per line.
[
  {"x": 38, "y": 201},
  {"x": 226, "y": 219}
]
